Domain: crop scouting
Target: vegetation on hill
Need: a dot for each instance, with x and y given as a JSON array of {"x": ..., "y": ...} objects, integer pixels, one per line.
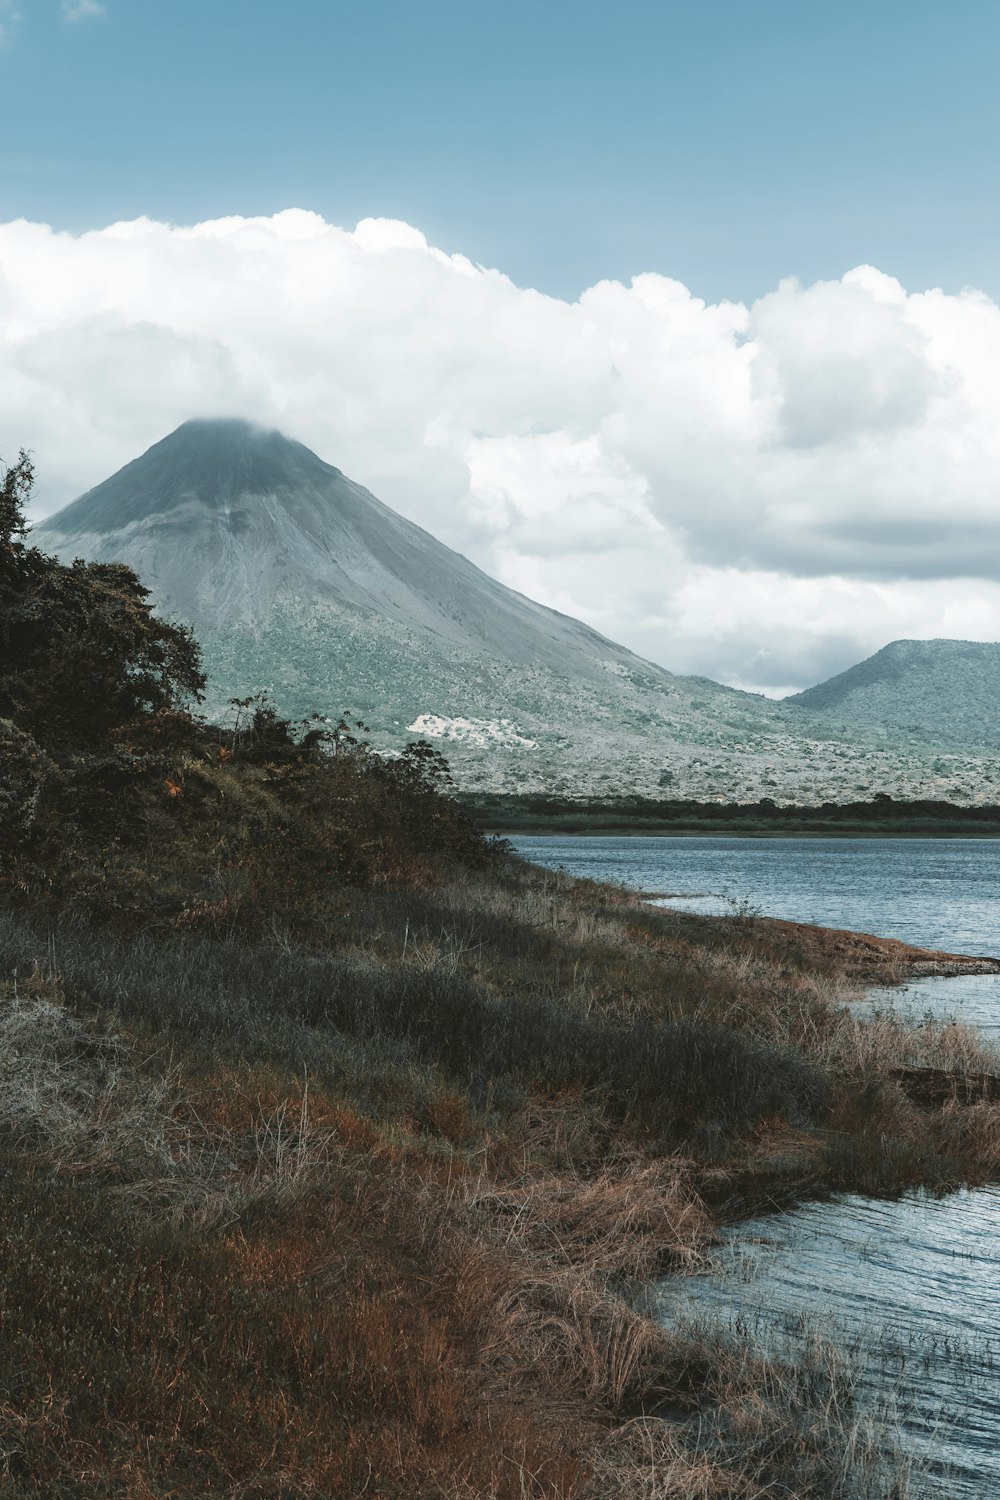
[
  {"x": 294, "y": 576},
  {"x": 531, "y": 813},
  {"x": 944, "y": 692},
  {"x": 118, "y": 798},
  {"x": 336, "y": 1141}
]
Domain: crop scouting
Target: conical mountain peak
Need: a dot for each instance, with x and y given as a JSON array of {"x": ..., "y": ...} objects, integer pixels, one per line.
[
  {"x": 301, "y": 584},
  {"x": 226, "y": 521},
  {"x": 205, "y": 462},
  {"x": 217, "y": 445}
]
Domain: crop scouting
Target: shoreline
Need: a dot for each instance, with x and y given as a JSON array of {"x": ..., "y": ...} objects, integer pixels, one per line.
[
  {"x": 553, "y": 829},
  {"x": 861, "y": 953},
  {"x": 539, "y": 815},
  {"x": 301, "y": 1161},
  {"x": 859, "y": 957}
]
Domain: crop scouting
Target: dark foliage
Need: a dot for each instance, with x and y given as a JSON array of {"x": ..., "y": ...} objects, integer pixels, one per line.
[
  {"x": 81, "y": 651},
  {"x": 883, "y": 814},
  {"x": 117, "y": 798}
]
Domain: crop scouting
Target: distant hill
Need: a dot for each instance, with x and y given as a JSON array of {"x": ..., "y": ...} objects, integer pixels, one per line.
[
  {"x": 300, "y": 583},
  {"x": 942, "y": 692}
]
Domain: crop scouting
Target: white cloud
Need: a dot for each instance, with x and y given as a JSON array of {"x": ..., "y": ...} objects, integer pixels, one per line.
[
  {"x": 81, "y": 10},
  {"x": 762, "y": 493}
]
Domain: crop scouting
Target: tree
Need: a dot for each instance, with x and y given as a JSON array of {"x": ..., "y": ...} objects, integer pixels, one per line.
[
  {"x": 81, "y": 651},
  {"x": 14, "y": 491}
]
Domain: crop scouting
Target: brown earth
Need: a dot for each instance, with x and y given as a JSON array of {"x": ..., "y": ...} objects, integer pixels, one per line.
[
  {"x": 857, "y": 957},
  {"x": 862, "y": 956}
]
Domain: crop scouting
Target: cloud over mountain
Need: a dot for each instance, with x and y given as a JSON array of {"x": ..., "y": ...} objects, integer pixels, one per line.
[{"x": 762, "y": 493}]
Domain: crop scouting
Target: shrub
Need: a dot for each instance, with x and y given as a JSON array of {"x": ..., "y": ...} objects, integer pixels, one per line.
[{"x": 82, "y": 650}]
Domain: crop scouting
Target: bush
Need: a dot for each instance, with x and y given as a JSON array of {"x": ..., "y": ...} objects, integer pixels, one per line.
[
  {"x": 82, "y": 650},
  {"x": 116, "y": 797}
]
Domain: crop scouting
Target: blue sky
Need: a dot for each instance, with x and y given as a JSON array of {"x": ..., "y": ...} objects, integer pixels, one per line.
[
  {"x": 764, "y": 489},
  {"x": 725, "y": 144}
]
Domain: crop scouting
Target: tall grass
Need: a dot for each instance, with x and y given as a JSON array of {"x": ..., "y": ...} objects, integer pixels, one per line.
[
  {"x": 294, "y": 1315},
  {"x": 366, "y": 1214},
  {"x": 277, "y": 1001}
]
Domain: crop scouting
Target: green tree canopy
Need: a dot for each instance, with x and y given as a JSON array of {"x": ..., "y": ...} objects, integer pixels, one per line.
[{"x": 81, "y": 651}]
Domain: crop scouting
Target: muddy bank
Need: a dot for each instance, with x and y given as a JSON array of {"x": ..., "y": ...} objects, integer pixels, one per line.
[
  {"x": 858, "y": 957},
  {"x": 862, "y": 956}
]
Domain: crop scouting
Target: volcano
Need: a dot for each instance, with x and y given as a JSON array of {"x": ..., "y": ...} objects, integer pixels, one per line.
[
  {"x": 300, "y": 584},
  {"x": 225, "y": 522}
]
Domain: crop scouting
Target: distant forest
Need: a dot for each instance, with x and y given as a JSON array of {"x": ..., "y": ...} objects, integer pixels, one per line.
[{"x": 882, "y": 815}]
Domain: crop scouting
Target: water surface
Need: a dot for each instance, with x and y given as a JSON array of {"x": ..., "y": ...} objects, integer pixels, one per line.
[
  {"x": 910, "y": 1288},
  {"x": 938, "y": 893}
]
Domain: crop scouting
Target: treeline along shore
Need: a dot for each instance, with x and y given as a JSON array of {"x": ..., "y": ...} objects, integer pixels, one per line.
[
  {"x": 337, "y": 1143},
  {"x": 882, "y": 816}
]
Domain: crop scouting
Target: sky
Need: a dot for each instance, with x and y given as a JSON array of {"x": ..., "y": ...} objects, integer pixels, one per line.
[{"x": 680, "y": 317}]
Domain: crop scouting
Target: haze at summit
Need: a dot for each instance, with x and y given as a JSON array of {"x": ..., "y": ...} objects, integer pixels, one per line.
[{"x": 763, "y": 488}]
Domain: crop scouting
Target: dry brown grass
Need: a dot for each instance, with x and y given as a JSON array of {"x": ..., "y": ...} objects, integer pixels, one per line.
[
  {"x": 319, "y": 1295},
  {"x": 866, "y": 1047},
  {"x": 71, "y": 1093},
  {"x": 264, "y": 1307},
  {"x": 570, "y": 1249},
  {"x": 971, "y": 1132},
  {"x": 649, "y": 1460}
]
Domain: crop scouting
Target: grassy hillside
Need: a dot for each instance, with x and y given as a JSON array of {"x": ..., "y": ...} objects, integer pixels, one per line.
[
  {"x": 944, "y": 692},
  {"x": 364, "y": 1215},
  {"x": 337, "y": 1143}
]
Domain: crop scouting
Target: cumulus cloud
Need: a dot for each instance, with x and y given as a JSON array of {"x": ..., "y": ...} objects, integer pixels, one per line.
[{"x": 762, "y": 493}]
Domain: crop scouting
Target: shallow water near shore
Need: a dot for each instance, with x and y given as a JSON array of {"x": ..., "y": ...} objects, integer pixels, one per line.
[
  {"x": 973, "y": 999},
  {"x": 909, "y": 1289}
]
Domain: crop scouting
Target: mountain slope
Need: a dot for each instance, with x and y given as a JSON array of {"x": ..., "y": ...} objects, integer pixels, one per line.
[
  {"x": 942, "y": 692},
  {"x": 302, "y": 584},
  {"x": 226, "y": 519}
]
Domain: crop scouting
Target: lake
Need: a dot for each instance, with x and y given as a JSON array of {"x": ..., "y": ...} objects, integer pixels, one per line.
[
  {"x": 937, "y": 893},
  {"x": 911, "y": 1288}
]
